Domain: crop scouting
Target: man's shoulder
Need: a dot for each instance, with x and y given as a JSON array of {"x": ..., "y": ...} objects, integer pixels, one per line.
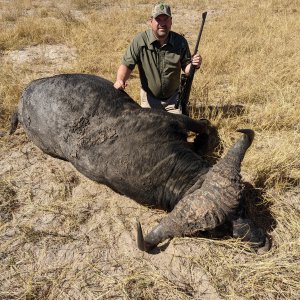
[{"x": 142, "y": 38}]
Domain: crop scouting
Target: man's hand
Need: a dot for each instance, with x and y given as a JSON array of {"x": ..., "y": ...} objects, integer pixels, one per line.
[
  {"x": 197, "y": 60},
  {"x": 120, "y": 84},
  {"x": 122, "y": 77}
]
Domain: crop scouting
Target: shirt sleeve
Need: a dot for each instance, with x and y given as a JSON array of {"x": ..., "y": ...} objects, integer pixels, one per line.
[
  {"x": 131, "y": 56},
  {"x": 186, "y": 56}
]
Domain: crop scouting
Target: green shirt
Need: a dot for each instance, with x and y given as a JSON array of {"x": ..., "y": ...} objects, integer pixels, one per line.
[{"x": 159, "y": 66}]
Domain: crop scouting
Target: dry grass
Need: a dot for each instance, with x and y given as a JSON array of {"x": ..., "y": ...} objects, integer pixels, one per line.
[{"x": 56, "y": 238}]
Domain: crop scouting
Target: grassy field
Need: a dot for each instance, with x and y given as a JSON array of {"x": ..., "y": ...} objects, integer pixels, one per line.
[{"x": 250, "y": 78}]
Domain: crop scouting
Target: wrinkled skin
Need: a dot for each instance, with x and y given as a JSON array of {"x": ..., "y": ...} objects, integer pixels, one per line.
[{"x": 138, "y": 152}]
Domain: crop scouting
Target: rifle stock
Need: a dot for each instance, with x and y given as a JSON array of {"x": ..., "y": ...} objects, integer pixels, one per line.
[{"x": 187, "y": 80}]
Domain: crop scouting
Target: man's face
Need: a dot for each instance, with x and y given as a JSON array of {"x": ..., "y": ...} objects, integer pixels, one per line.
[{"x": 161, "y": 25}]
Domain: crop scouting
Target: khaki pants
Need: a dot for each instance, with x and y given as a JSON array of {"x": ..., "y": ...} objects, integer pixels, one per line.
[{"x": 148, "y": 101}]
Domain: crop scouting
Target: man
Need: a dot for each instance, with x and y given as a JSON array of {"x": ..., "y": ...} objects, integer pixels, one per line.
[{"x": 161, "y": 55}]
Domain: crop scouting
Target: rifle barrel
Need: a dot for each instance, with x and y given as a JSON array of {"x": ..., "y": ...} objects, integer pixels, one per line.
[
  {"x": 185, "y": 91},
  {"x": 200, "y": 32}
]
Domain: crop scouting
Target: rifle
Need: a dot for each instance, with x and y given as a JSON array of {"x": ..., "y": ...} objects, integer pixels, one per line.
[{"x": 187, "y": 80}]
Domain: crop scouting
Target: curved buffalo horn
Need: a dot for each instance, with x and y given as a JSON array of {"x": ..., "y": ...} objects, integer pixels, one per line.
[
  {"x": 140, "y": 237},
  {"x": 207, "y": 207},
  {"x": 160, "y": 233}
]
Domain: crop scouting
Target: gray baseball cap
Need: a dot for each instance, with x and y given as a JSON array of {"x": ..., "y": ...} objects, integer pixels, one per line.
[{"x": 161, "y": 9}]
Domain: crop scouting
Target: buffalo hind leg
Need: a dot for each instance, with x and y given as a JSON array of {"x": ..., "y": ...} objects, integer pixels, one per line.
[
  {"x": 197, "y": 126},
  {"x": 207, "y": 139}
]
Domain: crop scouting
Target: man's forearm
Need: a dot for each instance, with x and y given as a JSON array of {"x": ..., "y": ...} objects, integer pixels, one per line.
[
  {"x": 187, "y": 69},
  {"x": 123, "y": 75}
]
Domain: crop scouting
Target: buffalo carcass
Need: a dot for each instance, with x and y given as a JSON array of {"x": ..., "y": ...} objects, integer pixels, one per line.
[{"x": 141, "y": 153}]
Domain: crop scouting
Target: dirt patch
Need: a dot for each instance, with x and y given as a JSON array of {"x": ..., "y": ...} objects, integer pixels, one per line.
[
  {"x": 41, "y": 59},
  {"x": 60, "y": 54}
]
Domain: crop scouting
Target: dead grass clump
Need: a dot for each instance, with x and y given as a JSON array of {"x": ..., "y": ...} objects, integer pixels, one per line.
[
  {"x": 285, "y": 234},
  {"x": 33, "y": 30},
  {"x": 101, "y": 53},
  {"x": 281, "y": 169},
  {"x": 248, "y": 278},
  {"x": 12, "y": 15},
  {"x": 237, "y": 272},
  {"x": 147, "y": 285},
  {"x": 144, "y": 285},
  {"x": 13, "y": 10},
  {"x": 8, "y": 201},
  {"x": 253, "y": 48},
  {"x": 10, "y": 91}
]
